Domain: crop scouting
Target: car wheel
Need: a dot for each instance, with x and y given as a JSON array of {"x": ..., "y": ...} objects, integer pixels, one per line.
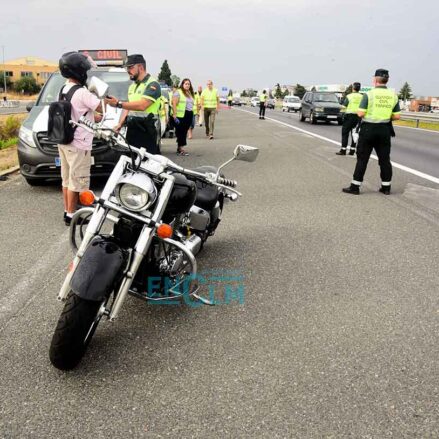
[{"x": 312, "y": 119}]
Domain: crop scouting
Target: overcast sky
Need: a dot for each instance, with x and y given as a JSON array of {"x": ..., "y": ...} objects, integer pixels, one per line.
[{"x": 241, "y": 43}]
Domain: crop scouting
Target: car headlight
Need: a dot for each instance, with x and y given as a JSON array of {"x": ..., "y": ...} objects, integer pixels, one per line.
[
  {"x": 319, "y": 109},
  {"x": 27, "y": 136},
  {"x": 136, "y": 192}
]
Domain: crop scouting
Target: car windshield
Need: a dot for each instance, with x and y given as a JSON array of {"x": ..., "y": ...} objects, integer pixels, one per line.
[
  {"x": 293, "y": 100},
  {"x": 325, "y": 97},
  {"x": 117, "y": 81}
]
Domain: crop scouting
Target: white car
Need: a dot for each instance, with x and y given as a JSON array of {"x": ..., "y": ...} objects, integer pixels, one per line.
[
  {"x": 291, "y": 103},
  {"x": 255, "y": 102}
]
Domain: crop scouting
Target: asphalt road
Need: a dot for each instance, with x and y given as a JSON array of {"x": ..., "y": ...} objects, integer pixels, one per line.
[
  {"x": 415, "y": 148},
  {"x": 337, "y": 336}
]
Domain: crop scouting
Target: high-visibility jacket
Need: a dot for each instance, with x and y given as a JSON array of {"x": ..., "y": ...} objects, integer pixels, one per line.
[
  {"x": 197, "y": 100},
  {"x": 136, "y": 92},
  {"x": 262, "y": 97},
  {"x": 210, "y": 98},
  {"x": 379, "y": 105},
  {"x": 354, "y": 100}
]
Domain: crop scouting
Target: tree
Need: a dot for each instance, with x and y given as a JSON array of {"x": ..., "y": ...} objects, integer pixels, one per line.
[
  {"x": 299, "y": 90},
  {"x": 285, "y": 93},
  {"x": 244, "y": 94},
  {"x": 27, "y": 84},
  {"x": 251, "y": 93},
  {"x": 406, "y": 92},
  {"x": 165, "y": 73},
  {"x": 175, "y": 80},
  {"x": 278, "y": 93}
]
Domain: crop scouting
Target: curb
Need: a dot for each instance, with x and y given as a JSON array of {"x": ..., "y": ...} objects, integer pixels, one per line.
[{"x": 9, "y": 171}]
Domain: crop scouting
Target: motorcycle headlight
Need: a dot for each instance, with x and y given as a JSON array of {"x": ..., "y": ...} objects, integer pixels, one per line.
[
  {"x": 136, "y": 192},
  {"x": 27, "y": 136}
]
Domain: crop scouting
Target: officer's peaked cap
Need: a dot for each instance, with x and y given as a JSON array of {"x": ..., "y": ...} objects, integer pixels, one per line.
[
  {"x": 135, "y": 59},
  {"x": 382, "y": 72}
]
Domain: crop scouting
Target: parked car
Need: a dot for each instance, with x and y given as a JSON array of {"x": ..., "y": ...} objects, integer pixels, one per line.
[
  {"x": 223, "y": 100},
  {"x": 291, "y": 103},
  {"x": 236, "y": 101},
  {"x": 320, "y": 106},
  {"x": 254, "y": 102},
  {"x": 271, "y": 103}
]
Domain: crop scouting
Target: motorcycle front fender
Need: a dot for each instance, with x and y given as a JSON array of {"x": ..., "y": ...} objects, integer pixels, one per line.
[{"x": 99, "y": 269}]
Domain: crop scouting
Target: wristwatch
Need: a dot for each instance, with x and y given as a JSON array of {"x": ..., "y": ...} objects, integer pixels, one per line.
[{"x": 119, "y": 104}]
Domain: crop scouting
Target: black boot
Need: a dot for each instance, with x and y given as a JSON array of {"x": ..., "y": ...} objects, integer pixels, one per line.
[
  {"x": 352, "y": 151},
  {"x": 341, "y": 152},
  {"x": 352, "y": 189},
  {"x": 385, "y": 190}
]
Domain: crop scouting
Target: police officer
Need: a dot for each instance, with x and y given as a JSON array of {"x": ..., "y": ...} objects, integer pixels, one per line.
[
  {"x": 142, "y": 108},
  {"x": 377, "y": 109},
  {"x": 351, "y": 104},
  {"x": 262, "y": 104}
]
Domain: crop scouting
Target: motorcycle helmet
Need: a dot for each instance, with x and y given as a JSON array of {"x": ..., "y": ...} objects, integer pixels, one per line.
[{"x": 74, "y": 65}]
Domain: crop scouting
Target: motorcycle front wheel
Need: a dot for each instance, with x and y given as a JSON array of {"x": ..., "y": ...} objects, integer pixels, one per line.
[{"x": 74, "y": 331}]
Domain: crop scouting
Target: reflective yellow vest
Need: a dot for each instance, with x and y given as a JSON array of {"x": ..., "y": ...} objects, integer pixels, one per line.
[
  {"x": 381, "y": 102},
  {"x": 135, "y": 93},
  {"x": 354, "y": 102},
  {"x": 197, "y": 99},
  {"x": 262, "y": 97},
  {"x": 210, "y": 98}
]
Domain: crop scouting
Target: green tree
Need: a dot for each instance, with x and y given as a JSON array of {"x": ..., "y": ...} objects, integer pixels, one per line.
[
  {"x": 278, "y": 92},
  {"x": 165, "y": 73},
  {"x": 27, "y": 84},
  {"x": 299, "y": 90},
  {"x": 406, "y": 92},
  {"x": 244, "y": 94},
  {"x": 175, "y": 80}
]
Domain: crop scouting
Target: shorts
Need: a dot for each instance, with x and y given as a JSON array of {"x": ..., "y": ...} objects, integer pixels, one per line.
[{"x": 75, "y": 168}]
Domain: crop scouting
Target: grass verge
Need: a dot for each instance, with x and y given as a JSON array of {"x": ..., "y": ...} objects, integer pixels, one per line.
[
  {"x": 412, "y": 124},
  {"x": 8, "y": 158}
]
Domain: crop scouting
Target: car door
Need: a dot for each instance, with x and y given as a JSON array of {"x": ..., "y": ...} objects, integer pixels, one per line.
[{"x": 306, "y": 104}]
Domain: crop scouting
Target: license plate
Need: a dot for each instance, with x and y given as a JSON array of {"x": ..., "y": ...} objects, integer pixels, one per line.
[
  {"x": 57, "y": 161},
  {"x": 332, "y": 117}
]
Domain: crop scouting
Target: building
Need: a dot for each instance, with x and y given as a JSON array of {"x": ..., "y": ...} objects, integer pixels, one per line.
[
  {"x": 38, "y": 68},
  {"x": 423, "y": 103}
]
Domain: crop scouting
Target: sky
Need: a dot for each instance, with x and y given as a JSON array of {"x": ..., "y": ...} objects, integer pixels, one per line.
[{"x": 239, "y": 43}]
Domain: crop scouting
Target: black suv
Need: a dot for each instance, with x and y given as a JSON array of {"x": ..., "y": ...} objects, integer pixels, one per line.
[
  {"x": 38, "y": 156},
  {"x": 317, "y": 105}
]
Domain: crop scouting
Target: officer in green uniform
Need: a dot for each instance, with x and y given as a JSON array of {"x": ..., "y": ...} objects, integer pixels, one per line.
[
  {"x": 351, "y": 104},
  {"x": 377, "y": 109},
  {"x": 262, "y": 104},
  {"x": 143, "y": 107},
  {"x": 229, "y": 100}
]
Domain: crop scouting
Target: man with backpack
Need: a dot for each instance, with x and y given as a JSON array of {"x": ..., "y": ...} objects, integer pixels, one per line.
[{"x": 74, "y": 143}]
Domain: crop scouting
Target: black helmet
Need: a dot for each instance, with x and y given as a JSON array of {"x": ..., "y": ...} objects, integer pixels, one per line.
[{"x": 74, "y": 65}]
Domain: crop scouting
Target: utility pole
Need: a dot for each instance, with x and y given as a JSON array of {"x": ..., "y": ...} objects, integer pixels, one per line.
[{"x": 4, "y": 70}]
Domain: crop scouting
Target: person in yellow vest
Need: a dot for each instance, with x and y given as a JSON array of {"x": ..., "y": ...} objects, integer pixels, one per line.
[
  {"x": 350, "y": 105},
  {"x": 210, "y": 105},
  {"x": 377, "y": 109},
  {"x": 183, "y": 105},
  {"x": 229, "y": 100},
  {"x": 197, "y": 106},
  {"x": 262, "y": 104},
  {"x": 200, "y": 112},
  {"x": 141, "y": 112}
]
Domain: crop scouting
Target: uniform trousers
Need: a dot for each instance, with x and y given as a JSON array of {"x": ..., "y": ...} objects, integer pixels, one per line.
[
  {"x": 350, "y": 121},
  {"x": 262, "y": 109},
  {"x": 374, "y": 136}
]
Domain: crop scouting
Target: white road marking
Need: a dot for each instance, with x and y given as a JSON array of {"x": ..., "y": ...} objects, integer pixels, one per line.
[{"x": 326, "y": 139}]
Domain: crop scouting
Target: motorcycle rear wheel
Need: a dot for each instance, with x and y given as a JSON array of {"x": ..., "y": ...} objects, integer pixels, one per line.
[{"x": 74, "y": 331}]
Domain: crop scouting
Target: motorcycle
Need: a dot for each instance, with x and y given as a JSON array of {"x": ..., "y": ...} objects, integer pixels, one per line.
[{"x": 151, "y": 220}]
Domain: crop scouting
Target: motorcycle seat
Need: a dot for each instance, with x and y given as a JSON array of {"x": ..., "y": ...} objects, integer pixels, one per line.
[{"x": 207, "y": 194}]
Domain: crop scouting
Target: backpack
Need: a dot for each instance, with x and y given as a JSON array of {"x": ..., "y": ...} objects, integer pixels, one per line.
[{"x": 59, "y": 129}]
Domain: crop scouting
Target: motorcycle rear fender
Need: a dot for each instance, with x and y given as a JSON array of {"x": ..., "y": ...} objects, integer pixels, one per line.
[{"x": 99, "y": 269}]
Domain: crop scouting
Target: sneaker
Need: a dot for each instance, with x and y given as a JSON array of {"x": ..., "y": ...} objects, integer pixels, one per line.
[
  {"x": 352, "y": 189},
  {"x": 341, "y": 152}
]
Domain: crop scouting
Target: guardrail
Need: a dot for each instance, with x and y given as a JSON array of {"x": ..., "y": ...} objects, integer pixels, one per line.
[
  {"x": 420, "y": 117},
  {"x": 9, "y": 104}
]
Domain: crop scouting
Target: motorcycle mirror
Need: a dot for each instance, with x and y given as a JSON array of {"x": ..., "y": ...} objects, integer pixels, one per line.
[
  {"x": 98, "y": 87},
  {"x": 246, "y": 153}
]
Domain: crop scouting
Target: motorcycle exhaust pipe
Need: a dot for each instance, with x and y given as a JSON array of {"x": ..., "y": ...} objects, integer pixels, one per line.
[{"x": 193, "y": 244}]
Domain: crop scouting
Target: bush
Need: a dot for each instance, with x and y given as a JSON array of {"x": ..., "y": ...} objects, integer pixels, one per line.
[
  {"x": 27, "y": 84},
  {"x": 9, "y": 129},
  {"x": 7, "y": 143}
]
